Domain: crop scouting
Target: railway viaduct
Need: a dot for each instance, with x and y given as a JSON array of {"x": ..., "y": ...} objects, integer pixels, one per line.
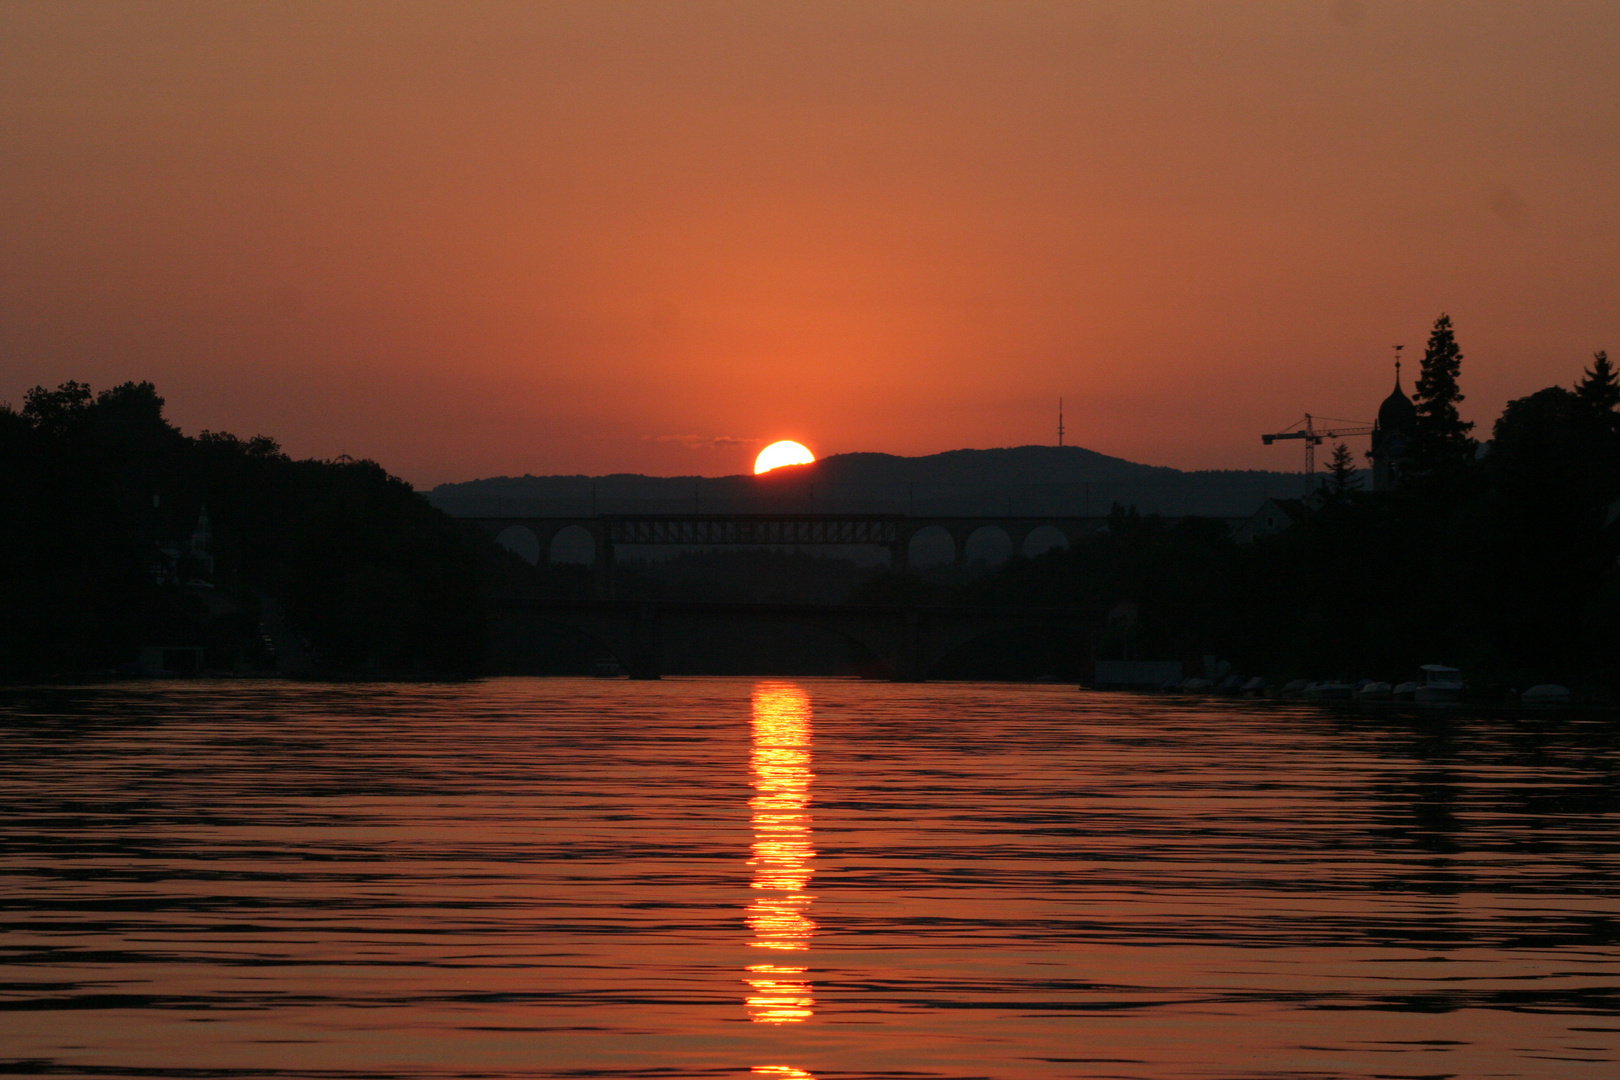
[
  {"x": 908, "y": 640},
  {"x": 894, "y": 532}
]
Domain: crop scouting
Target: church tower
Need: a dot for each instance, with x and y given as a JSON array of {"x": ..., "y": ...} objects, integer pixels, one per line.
[{"x": 1392, "y": 434}]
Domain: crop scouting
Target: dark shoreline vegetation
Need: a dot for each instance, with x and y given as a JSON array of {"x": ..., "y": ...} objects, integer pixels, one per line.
[
  {"x": 1504, "y": 562},
  {"x": 122, "y": 533}
]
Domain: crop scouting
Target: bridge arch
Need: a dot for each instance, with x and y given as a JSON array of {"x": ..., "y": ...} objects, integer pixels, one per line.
[
  {"x": 1044, "y": 538},
  {"x": 572, "y": 544},
  {"x": 649, "y": 642},
  {"x": 538, "y": 642},
  {"x": 989, "y": 544},
  {"x": 905, "y": 643},
  {"x": 1028, "y": 651},
  {"x": 520, "y": 541},
  {"x": 876, "y": 649},
  {"x": 932, "y": 545}
]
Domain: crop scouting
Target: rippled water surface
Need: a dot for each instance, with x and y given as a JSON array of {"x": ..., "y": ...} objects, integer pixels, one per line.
[{"x": 794, "y": 879}]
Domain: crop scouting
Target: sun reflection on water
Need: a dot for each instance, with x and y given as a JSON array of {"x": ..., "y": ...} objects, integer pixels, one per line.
[{"x": 779, "y": 915}]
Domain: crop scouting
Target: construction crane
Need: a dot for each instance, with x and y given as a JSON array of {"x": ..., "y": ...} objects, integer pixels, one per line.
[{"x": 1306, "y": 429}]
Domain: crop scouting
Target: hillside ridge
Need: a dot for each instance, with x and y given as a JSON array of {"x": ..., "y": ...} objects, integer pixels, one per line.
[{"x": 1021, "y": 479}]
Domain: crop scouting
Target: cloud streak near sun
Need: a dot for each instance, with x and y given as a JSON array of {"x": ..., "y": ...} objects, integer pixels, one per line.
[{"x": 702, "y": 442}]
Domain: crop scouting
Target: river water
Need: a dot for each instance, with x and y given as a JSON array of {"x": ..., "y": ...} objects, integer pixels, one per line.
[{"x": 806, "y": 878}]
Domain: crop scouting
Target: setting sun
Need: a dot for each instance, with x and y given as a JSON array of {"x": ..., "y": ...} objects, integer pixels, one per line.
[{"x": 786, "y": 452}]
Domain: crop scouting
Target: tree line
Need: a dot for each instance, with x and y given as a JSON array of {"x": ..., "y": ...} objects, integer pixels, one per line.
[
  {"x": 1502, "y": 560},
  {"x": 121, "y": 532}
]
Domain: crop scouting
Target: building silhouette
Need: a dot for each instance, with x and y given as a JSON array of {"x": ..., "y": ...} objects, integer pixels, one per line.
[{"x": 1392, "y": 436}]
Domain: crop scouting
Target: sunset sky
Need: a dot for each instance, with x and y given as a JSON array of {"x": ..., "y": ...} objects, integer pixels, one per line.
[{"x": 470, "y": 239}]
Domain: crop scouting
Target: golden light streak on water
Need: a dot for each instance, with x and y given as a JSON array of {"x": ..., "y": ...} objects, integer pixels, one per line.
[
  {"x": 779, "y": 915},
  {"x": 519, "y": 877}
]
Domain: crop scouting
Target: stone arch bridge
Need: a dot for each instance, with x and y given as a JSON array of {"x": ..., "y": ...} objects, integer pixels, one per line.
[
  {"x": 907, "y": 640},
  {"x": 894, "y": 532}
]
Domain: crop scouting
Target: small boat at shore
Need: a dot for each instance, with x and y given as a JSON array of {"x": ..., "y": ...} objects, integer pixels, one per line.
[
  {"x": 1546, "y": 694},
  {"x": 1375, "y": 691},
  {"x": 1440, "y": 684},
  {"x": 1328, "y": 691}
]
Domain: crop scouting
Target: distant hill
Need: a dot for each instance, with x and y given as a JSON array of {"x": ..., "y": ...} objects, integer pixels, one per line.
[
  {"x": 1018, "y": 480},
  {"x": 1009, "y": 465}
]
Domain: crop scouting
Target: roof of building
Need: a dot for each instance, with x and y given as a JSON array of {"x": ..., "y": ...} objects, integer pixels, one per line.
[
  {"x": 1397, "y": 413},
  {"x": 1296, "y": 509},
  {"x": 1265, "y": 521}
]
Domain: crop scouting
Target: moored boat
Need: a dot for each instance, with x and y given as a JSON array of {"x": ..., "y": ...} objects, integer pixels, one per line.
[
  {"x": 1440, "y": 684},
  {"x": 1328, "y": 691},
  {"x": 1546, "y": 694}
]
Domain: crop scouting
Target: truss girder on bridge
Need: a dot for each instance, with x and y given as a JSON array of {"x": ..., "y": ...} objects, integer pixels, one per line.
[{"x": 705, "y": 530}]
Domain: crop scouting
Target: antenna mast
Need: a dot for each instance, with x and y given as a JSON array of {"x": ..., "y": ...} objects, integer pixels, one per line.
[{"x": 1060, "y": 421}]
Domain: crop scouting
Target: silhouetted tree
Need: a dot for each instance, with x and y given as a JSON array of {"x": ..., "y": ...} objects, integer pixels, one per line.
[
  {"x": 1544, "y": 550},
  {"x": 99, "y": 497},
  {"x": 1442, "y": 434},
  {"x": 56, "y": 412},
  {"x": 1342, "y": 478},
  {"x": 1599, "y": 391}
]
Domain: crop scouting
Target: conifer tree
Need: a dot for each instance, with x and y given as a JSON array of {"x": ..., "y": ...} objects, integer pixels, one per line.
[
  {"x": 1600, "y": 389},
  {"x": 1441, "y": 434},
  {"x": 1342, "y": 478},
  {"x": 1597, "y": 398}
]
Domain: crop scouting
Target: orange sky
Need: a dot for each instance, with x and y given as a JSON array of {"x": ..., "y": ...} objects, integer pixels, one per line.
[{"x": 470, "y": 239}]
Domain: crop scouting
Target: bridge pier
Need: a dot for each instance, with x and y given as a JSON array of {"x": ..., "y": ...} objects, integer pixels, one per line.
[
  {"x": 909, "y": 665},
  {"x": 646, "y": 659},
  {"x": 909, "y": 640},
  {"x": 602, "y": 569}
]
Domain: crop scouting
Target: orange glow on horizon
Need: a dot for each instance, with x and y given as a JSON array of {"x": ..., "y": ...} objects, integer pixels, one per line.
[
  {"x": 779, "y": 915},
  {"x": 785, "y": 452},
  {"x": 631, "y": 238}
]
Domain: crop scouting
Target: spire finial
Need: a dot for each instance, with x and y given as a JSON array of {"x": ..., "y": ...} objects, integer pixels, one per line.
[{"x": 1398, "y": 349}]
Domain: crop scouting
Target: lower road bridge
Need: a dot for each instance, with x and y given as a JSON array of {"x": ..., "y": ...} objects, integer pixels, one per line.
[
  {"x": 896, "y": 532},
  {"x": 908, "y": 641}
]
